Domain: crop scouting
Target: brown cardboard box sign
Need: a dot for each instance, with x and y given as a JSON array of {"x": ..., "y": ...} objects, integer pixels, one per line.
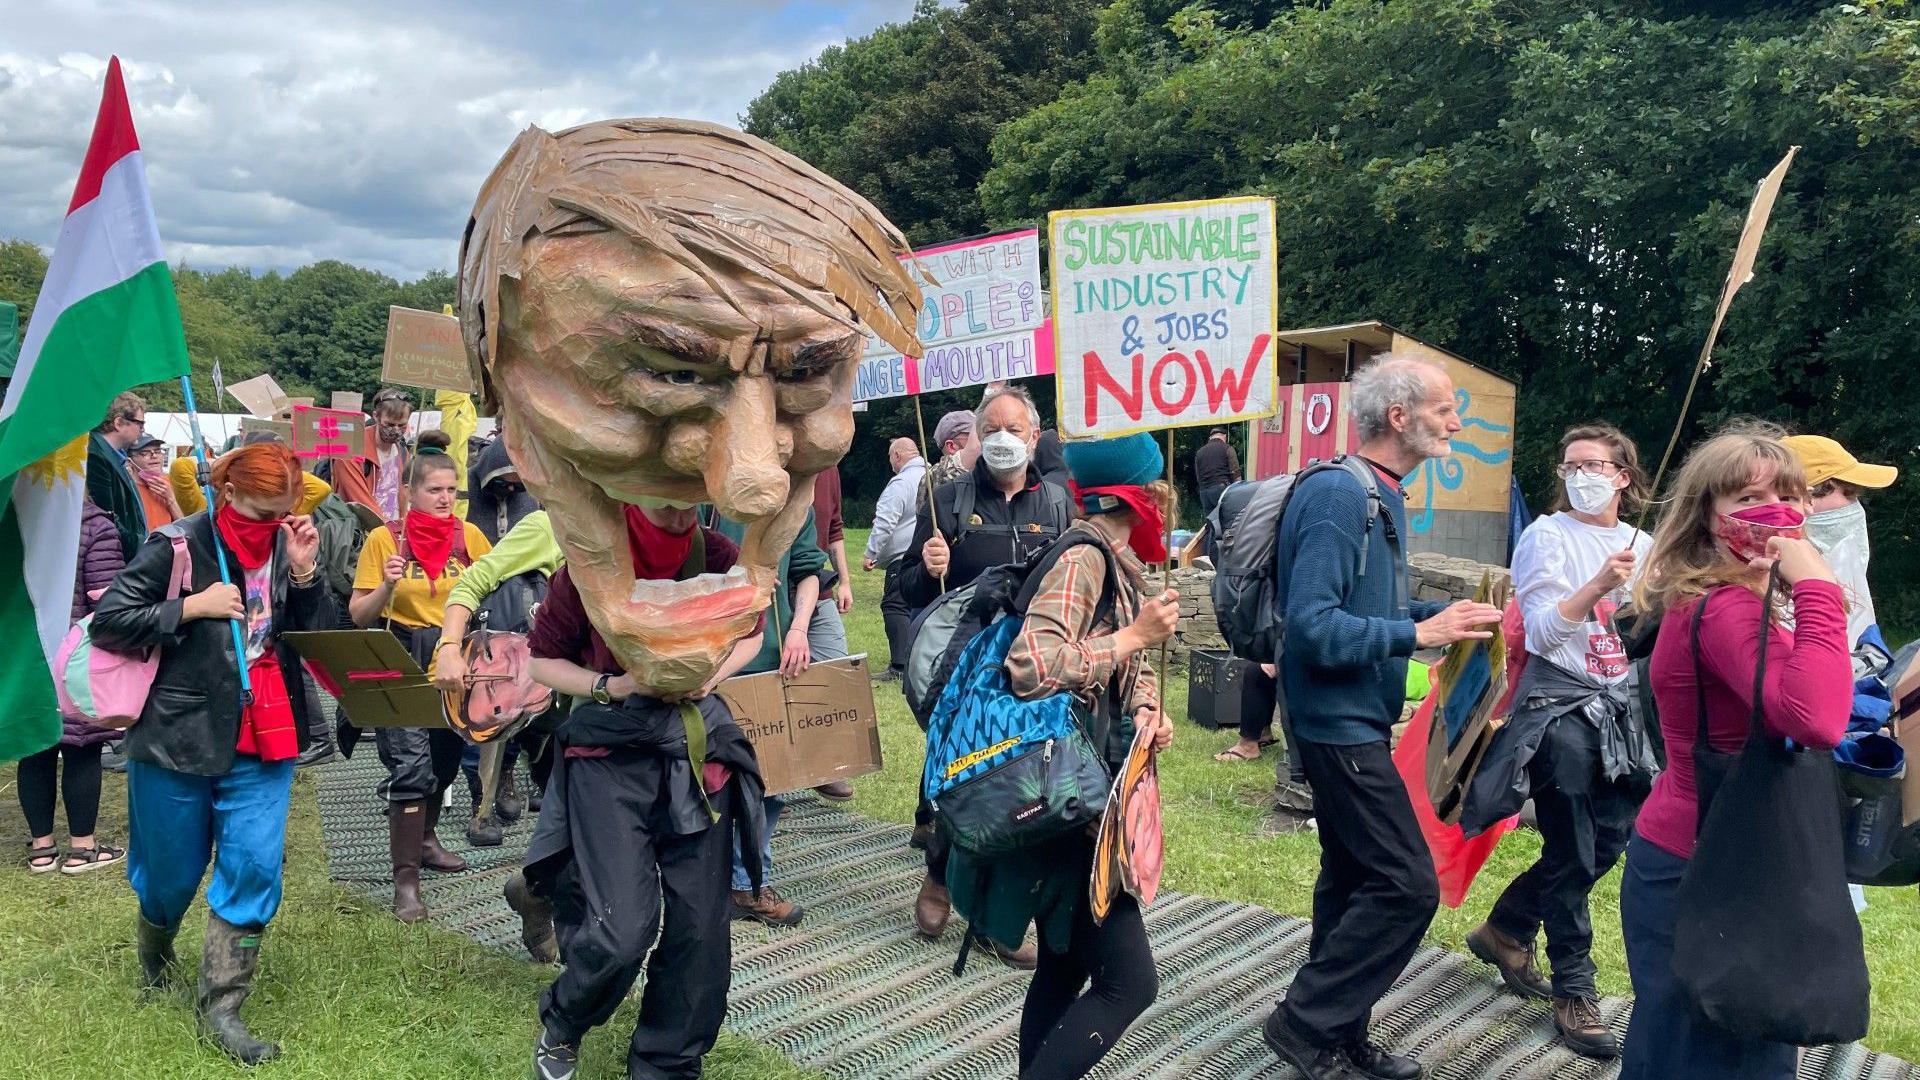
[{"x": 813, "y": 729}]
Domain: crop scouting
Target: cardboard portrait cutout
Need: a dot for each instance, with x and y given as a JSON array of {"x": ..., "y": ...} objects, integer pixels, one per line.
[{"x": 668, "y": 312}]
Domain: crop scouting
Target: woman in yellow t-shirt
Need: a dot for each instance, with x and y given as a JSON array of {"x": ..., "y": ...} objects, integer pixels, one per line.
[{"x": 404, "y": 584}]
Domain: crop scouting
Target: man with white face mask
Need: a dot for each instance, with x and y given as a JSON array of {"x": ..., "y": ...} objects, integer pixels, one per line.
[
  {"x": 1838, "y": 524},
  {"x": 999, "y": 512},
  {"x": 1572, "y": 742}
]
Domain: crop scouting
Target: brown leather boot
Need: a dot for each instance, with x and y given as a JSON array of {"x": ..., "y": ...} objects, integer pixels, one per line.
[
  {"x": 1512, "y": 958},
  {"x": 536, "y": 920},
  {"x": 406, "y": 824},
  {"x": 432, "y": 855},
  {"x": 1583, "y": 1029},
  {"x": 769, "y": 907},
  {"x": 1026, "y": 957},
  {"x": 932, "y": 908}
]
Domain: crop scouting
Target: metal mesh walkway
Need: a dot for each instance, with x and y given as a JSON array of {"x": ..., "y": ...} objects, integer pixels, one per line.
[{"x": 854, "y": 992}]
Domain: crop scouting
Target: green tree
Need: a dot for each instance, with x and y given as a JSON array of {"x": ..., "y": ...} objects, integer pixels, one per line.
[{"x": 22, "y": 269}]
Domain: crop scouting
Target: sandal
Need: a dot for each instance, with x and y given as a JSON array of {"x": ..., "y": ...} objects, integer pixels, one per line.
[
  {"x": 80, "y": 860},
  {"x": 42, "y": 859},
  {"x": 1268, "y": 740},
  {"x": 1234, "y": 753}
]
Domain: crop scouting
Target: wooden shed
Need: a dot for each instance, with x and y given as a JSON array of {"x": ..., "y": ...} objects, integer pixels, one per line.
[{"x": 1458, "y": 505}]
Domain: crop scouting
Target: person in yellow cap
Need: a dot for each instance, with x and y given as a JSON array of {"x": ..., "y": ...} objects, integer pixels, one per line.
[{"x": 1838, "y": 523}]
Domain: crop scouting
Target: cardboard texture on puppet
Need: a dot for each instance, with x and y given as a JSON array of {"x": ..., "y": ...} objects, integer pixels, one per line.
[
  {"x": 373, "y": 676},
  {"x": 815, "y": 728},
  {"x": 728, "y": 252}
]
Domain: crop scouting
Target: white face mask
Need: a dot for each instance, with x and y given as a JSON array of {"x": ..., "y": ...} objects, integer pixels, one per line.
[
  {"x": 1589, "y": 494},
  {"x": 1831, "y": 529},
  {"x": 1004, "y": 451}
]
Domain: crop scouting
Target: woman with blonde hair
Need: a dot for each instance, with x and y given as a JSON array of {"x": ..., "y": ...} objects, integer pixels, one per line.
[{"x": 1736, "y": 515}]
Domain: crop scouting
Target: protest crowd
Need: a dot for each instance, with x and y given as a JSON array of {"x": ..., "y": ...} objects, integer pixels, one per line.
[{"x": 1672, "y": 694}]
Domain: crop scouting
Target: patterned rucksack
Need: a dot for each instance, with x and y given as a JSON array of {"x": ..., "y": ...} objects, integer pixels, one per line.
[{"x": 1004, "y": 773}]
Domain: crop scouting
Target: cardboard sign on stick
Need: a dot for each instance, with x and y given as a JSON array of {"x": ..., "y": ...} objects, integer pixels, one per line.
[
  {"x": 260, "y": 395},
  {"x": 347, "y": 401},
  {"x": 319, "y": 433},
  {"x": 424, "y": 349},
  {"x": 373, "y": 676},
  {"x": 281, "y": 430},
  {"x": 813, "y": 729},
  {"x": 1163, "y": 315}
]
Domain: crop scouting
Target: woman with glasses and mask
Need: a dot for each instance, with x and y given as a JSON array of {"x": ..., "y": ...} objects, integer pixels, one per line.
[{"x": 1572, "y": 743}]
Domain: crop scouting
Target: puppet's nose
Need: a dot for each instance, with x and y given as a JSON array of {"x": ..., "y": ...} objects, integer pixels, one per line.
[{"x": 746, "y": 472}]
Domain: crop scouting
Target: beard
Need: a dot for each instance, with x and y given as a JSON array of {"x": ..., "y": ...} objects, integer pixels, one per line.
[{"x": 1429, "y": 440}]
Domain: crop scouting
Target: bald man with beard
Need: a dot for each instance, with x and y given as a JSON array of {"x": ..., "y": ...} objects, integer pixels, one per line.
[{"x": 893, "y": 518}]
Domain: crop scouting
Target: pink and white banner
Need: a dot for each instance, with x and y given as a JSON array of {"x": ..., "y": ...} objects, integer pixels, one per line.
[{"x": 984, "y": 321}]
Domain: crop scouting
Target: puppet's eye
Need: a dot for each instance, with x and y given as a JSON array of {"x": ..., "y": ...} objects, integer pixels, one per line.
[
  {"x": 682, "y": 377},
  {"x": 801, "y": 374}
]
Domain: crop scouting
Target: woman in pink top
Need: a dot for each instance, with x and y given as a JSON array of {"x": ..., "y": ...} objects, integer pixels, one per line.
[{"x": 1736, "y": 512}]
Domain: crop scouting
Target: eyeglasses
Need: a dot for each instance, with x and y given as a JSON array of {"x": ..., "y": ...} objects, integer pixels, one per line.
[{"x": 1591, "y": 466}]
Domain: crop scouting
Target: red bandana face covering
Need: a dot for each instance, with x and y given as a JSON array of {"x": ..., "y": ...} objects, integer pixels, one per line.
[
  {"x": 1746, "y": 532},
  {"x": 250, "y": 541},
  {"x": 658, "y": 554},
  {"x": 1148, "y": 537},
  {"x": 430, "y": 542}
]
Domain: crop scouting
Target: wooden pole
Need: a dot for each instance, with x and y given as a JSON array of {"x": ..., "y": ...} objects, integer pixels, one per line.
[
  {"x": 927, "y": 474},
  {"x": 1166, "y": 575}
]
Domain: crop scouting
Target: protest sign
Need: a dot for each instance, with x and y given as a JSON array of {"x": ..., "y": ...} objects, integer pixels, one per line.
[
  {"x": 261, "y": 395},
  {"x": 1163, "y": 315},
  {"x": 984, "y": 320},
  {"x": 424, "y": 349},
  {"x": 281, "y": 430},
  {"x": 347, "y": 400},
  {"x": 320, "y": 433},
  {"x": 816, "y": 728}
]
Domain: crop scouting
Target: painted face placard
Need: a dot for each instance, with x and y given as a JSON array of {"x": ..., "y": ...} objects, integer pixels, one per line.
[{"x": 1163, "y": 315}]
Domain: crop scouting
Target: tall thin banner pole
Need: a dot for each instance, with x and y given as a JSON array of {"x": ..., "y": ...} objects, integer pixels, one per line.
[
  {"x": 1166, "y": 578},
  {"x": 1738, "y": 274},
  {"x": 219, "y": 548},
  {"x": 926, "y": 474}
]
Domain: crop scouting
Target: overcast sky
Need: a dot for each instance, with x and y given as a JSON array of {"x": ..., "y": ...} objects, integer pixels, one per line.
[{"x": 278, "y": 132}]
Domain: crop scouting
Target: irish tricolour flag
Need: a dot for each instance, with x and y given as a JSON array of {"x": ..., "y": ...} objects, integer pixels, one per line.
[{"x": 106, "y": 320}]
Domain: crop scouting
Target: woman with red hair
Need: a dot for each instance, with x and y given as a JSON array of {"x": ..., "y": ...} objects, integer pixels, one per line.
[{"x": 209, "y": 769}]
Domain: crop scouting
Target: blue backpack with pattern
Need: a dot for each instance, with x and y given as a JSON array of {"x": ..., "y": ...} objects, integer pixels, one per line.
[{"x": 1004, "y": 773}]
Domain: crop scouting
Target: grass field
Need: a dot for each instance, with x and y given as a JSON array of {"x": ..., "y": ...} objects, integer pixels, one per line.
[{"x": 353, "y": 995}]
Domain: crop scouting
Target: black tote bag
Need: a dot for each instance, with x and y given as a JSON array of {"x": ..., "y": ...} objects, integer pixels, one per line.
[{"x": 1766, "y": 941}]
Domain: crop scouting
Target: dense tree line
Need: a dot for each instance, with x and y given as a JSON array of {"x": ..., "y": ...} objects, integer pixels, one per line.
[
  {"x": 318, "y": 329},
  {"x": 1552, "y": 189}
]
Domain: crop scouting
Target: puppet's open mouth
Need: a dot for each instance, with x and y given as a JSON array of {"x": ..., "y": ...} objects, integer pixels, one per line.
[{"x": 703, "y": 599}]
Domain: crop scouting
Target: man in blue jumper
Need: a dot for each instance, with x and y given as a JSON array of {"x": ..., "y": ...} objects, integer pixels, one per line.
[{"x": 1343, "y": 667}]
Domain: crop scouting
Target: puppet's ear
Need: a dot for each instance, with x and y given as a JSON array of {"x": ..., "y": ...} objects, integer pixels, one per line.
[{"x": 493, "y": 247}]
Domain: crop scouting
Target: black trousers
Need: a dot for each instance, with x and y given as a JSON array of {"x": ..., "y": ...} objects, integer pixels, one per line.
[
  {"x": 421, "y": 762},
  {"x": 1210, "y": 498},
  {"x": 1064, "y": 1032},
  {"x": 80, "y": 785},
  {"x": 898, "y": 616},
  {"x": 938, "y": 843},
  {"x": 1585, "y": 822},
  {"x": 629, "y": 890},
  {"x": 1375, "y": 896}
]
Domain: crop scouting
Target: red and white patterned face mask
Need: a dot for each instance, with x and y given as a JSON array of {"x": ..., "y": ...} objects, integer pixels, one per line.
[{"x": 1746, "y": 532}]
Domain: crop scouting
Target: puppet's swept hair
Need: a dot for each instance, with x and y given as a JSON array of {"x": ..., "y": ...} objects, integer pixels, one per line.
[{"x": 713, "y": 199}]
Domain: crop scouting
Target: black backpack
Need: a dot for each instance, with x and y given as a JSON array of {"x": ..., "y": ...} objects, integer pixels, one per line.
[{"x": 341, "y": 537}]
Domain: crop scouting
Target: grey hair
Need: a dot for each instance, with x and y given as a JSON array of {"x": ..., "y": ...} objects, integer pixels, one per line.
[
  {"x": 1033, "y": 411},
  {"x": 1383, "y": 382}
]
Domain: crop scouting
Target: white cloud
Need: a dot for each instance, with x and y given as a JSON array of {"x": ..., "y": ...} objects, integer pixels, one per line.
[{"x": 278, "y": 133}]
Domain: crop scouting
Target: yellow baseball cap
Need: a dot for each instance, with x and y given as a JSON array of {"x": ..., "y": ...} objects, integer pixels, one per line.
[{"x": 1825, "y": 460}]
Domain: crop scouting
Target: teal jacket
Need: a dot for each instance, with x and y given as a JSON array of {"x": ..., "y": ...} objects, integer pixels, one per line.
[{"x": 803, "y": 560}]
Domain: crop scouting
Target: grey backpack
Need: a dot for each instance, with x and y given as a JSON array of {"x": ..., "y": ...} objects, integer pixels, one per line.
[{"x": 1246, "y": 525}]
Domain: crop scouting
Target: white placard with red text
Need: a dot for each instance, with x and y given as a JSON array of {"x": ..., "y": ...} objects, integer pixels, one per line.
[{"x": 1163, "y": 315}]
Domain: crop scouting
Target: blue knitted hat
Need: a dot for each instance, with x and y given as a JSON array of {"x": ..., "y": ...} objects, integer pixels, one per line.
[{"x": 1129, "y": 460}]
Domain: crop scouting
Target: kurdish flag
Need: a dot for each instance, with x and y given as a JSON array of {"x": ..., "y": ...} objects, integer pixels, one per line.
[{"x": 106, "y": 320}]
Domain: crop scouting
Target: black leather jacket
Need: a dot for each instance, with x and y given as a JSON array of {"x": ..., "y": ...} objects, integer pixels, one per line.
[{"x": 192, "y": 719}]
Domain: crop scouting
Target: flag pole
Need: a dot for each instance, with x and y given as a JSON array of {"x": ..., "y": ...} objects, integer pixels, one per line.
[
  {"x": 219, "y": 549},
  {"x": 1166, "y": 578}
]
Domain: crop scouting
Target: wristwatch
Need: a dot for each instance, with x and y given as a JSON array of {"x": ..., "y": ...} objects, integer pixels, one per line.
[{"x": 600, "y": 690}]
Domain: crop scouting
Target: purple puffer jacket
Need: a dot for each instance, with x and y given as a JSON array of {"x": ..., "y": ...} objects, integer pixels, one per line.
[{"x": 100, "y": 559}]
